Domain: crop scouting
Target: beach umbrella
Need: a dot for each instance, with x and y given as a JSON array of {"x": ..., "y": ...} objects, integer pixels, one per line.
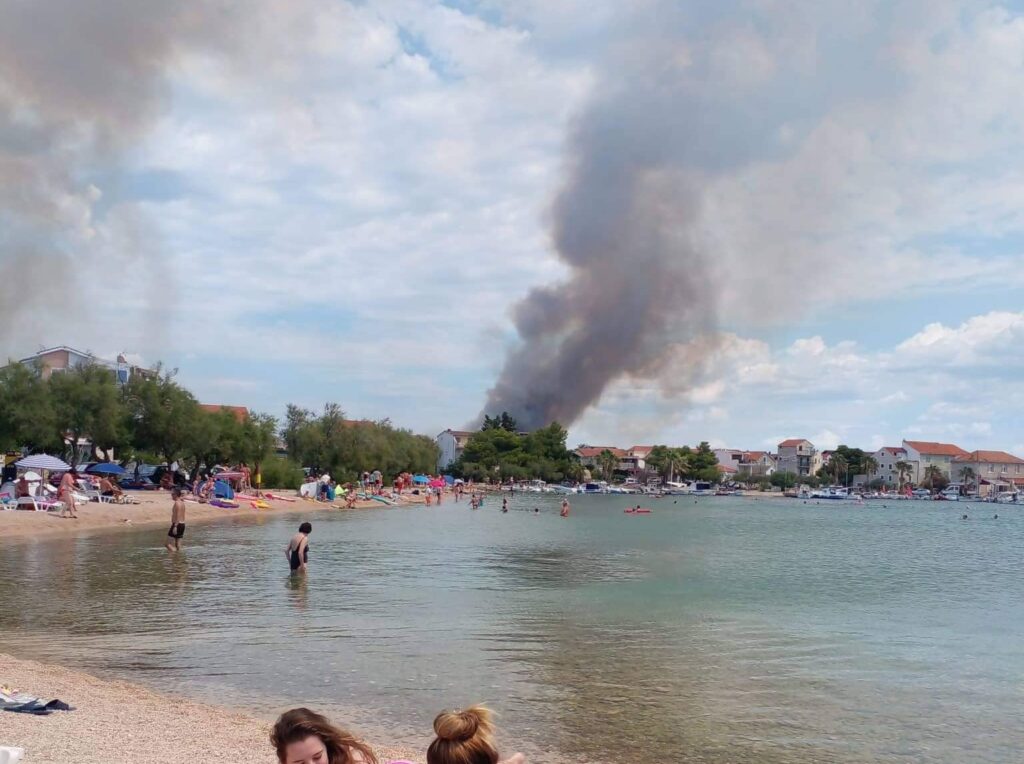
[
  {"x": 421, "y": 479},
  {"x": 32, "y": 477},
  {"x": 449, "y": 480},
  {"x": 43, "y": 462},
  {"x": 106, "y": 468}
]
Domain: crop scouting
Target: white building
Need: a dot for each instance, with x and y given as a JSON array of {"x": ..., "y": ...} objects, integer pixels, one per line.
[
  {"x": 60, "y": 359},
  {"x": 888, "y": 457},
  {"x": 451, "y": 443},
  {"x": 924, "y": 454},
  {"x": 746, "y": 463}
]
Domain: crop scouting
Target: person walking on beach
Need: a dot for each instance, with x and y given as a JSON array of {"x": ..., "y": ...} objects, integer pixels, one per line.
[
  {"x": 565, "y": 507},
  {"x": 301, "y": 736},
  {"x": 177, "y": 531},
  {"x": 66, "y": 494},
  {"x": 297, "y": 550}
]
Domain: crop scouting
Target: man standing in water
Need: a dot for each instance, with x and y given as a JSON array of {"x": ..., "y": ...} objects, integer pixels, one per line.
[
  {"x": 504, "y": 504},
  {"x": 177, "y": 531},
  {"x": 565, "y": 507}
]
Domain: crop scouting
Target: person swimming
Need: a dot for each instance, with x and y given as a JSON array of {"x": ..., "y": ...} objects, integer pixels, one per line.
[{"x": 297, "y": 550}]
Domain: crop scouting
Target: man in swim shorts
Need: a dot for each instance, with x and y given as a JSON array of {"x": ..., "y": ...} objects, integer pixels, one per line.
[{"x": 177, "y": 531}]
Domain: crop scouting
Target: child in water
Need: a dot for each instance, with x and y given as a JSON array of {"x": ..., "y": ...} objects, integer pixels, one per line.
[{"x": 466, "y": 737}]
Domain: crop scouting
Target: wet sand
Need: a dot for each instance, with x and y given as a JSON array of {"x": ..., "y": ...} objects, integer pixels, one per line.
[
  {"x": 154, "y": 510},
  {"x": 117, "y": 721}
]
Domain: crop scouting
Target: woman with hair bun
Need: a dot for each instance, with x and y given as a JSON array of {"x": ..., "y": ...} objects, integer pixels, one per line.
[
  {"x": 466, "y": 737},
  {"x": 301, "y": 736}
]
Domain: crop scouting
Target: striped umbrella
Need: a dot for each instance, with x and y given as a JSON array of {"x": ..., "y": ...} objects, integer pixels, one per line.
[{"x": 43, "y": 462}]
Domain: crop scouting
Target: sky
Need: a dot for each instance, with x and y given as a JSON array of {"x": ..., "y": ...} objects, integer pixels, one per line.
[{"x": 808, "y": 216}]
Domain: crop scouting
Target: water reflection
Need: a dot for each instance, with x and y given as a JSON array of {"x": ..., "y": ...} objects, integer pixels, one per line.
[{"x": 715, "y": 632}]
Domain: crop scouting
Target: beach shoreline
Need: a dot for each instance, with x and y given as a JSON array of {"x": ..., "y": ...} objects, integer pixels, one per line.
[
  {"x": 115, "y": 721},
  {"x": 154, "y": 511}
]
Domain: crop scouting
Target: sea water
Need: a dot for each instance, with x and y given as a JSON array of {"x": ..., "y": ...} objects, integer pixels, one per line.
[{"x": 712, "y": 630}]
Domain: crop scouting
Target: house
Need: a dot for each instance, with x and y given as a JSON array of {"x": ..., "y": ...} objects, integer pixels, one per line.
[
  {"x": 888, "y": 457},
  {"x": 757, "y": 464},
  {"x": 59, "y": 359},
  {"x": 924, "y": 454},
  {"x": 989, "y": 471},
  {"x": 241, "y": 412},
  {"x": 590, "y": 457},
  {"x": 746, "y": 463},
  {"x": 451, "y": 443},
  {"x": 798, "y": 456}
]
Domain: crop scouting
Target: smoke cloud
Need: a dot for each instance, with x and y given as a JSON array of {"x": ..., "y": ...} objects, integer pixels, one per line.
[
  {"x": 80, "y": 81},
  {"x": 664, "y": 218}
]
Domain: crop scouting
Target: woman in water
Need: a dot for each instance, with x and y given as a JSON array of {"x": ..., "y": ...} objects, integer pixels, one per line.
[
  {"x": 466, "y": 737},
  {"x": 301, "y": 736},
  {"x": 297, "y": 550}
]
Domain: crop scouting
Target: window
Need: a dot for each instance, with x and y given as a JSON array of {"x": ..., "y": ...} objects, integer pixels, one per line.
[{"x": 1006, "y": 468}]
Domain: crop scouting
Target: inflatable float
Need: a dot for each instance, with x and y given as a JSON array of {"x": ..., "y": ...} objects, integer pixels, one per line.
[
  {"x": 259, "y": 504},
  {"x": 278, "y": 497},
  {"x": 223, "y": 504},
  {"x": 637, "y": 511}
]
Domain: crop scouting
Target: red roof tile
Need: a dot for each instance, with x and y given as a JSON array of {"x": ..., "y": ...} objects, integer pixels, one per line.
[
  {"x": 241, "y": 412},
  {"x": 997, "y": 457},
  {"x": 791, "y": 442},
  {"x": 935, "y": 449}
]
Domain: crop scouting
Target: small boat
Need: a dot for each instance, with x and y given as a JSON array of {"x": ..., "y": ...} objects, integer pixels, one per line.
[
  {"x": 949, "y": 493},
  {"x": 1007, "y": 497},
  {"x": 637, "y": 511}
]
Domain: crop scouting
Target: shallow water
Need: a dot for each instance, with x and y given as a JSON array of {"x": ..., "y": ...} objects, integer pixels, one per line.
[{"x": 726, "y": 630}]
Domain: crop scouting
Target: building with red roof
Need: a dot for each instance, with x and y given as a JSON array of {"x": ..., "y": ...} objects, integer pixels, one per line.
[
  {"x": 989, "y": 471},
  {"x": 926, "y": 453}
]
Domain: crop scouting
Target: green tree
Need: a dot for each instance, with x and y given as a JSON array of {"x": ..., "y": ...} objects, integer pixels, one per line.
[
  {"x": 27, "y": 417},
  {"x": 503, "y": 421},
  {"x": 967, "y": 477},
  {"x": 783, "y": 480},
  {"x": 868, "y": 466},
  {"x": 607, "y": 461},
  {"x": 933, "y": 478},
  {"x": 163, "y": 415},
  {"x": 902, "y": 472},
  {"x": 89, "y": 406}
]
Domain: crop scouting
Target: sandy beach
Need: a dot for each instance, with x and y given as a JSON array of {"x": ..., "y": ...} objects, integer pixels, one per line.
[
  {"x": 122, "y": 722},
  {"x": 153, "y": 510}
]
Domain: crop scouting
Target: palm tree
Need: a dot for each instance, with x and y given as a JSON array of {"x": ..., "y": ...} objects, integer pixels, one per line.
[
  {"x": 608, "y": 462},
  {"x": 903, "y": 472},
  {"x": 869, "y": 464},
  {"x": 931, "y": 473},
  {"x": 967, "y": 475},
  {"x": 836, "y": 467}
]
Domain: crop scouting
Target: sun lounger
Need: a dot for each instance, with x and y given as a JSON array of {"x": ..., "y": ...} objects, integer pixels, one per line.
[{"x": 9, "y": 755}]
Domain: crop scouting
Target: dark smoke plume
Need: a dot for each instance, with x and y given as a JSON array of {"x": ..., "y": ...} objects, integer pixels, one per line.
[
  {"x": 689, "y": 94},
  {"x": 80, "y": 80}
]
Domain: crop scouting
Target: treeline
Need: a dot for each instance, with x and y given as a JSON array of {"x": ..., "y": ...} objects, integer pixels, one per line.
[
  {"x": 153, "y": 419},
  {"x": 149, "y": 419},
  {"x": 498, "y": 452},
  {"x": 684, "y": 463},
  {"x": 346, "y": 448}
]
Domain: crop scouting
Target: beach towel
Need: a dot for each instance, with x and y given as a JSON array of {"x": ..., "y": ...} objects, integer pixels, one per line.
[{"x": 22, "y": 703}]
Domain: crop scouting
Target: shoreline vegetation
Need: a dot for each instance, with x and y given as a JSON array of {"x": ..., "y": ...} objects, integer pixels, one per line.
[{"x": 117, "y": 721}]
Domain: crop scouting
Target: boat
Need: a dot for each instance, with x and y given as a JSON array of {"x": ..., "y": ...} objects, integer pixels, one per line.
[
  {"x": 949, "y": 493},
  {"x": 702, "y": 488},
  {"x": 831, "y": 492},
  {"x": 595, "y": 487},
  {"x": 565, "y": 489},
  {"x": 1007, "y": 497}
]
